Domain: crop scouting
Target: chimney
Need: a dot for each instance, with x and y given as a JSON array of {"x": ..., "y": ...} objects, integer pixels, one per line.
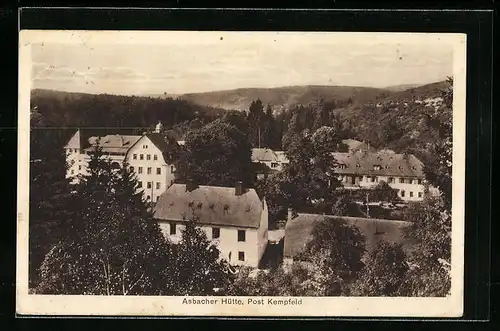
[
  {"x": 238, "y": 188},
  {"x": 191, "y": 185},
  {"x": 290, "y": 214}
]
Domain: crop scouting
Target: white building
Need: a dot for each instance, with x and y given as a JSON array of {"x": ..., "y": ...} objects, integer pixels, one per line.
[
  {"x": 362, "y": 169},
  {"x": 235, "y": 219},
  {"x": 149, "y": 156}
]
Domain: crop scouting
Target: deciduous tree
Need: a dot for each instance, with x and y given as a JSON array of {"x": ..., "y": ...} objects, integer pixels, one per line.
[
  {"x": 218, "y": 154},
  {"x": 384, "y": 272}
]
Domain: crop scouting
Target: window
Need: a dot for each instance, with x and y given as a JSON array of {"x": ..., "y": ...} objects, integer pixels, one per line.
[
  {"x": 140, "y": 170},
  {"x": 408, "y": 181},
  {"x": 419, "y": 181},
  {"x": 135, "y": 157},
  {"x": 419, "y": 194},
  {"x": 157, "y": 185},
  {"x": 173, "y": 229},
  {"x": 411, "y": 194},
  {"x": 149, "y": 170},
  {"x": 391, "y": 179},
  {"x": 141, "y": 156},
  {"x": 155, "y": 157},
  {"x": 215, "y": 233},
  {"x": 131, "y": 168},
  {"x": 172, "y": 169},
  {"x": 376, "y": 167},
  {"x": 139, "y": 184},
  {"x": 241, "y": 235},
  {"x": 374, "y": 179},
  {"x": 148, "y": 198},
  {"x": 401, "y": 180},
  {"x": 158, "y": 197},
  {"x": 158, "y": 171},
  {"x": 274, "y": 165},
  {"x": 402, "y": 193},
  {"x": 241, "y": 256},
  {"x": 79, "y": 167},
  {"x": 148, "y": 157},
  {"x": 149, "y": 184}
]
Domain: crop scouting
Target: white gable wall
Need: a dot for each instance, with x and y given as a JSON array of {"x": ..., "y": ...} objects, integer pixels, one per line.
[
  {"x": 227, "y": 243},
  {"x": 164, "y": 179}
]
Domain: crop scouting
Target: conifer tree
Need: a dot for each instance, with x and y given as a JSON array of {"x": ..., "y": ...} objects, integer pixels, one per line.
[{"x": 111, "y": 245}]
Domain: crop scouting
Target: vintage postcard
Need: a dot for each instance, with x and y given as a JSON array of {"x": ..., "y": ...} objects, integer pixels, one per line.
[{"x": 173, "y": 173}]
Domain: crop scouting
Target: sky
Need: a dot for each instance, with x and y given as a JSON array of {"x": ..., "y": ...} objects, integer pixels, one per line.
[{"x": 223, "y": 64}]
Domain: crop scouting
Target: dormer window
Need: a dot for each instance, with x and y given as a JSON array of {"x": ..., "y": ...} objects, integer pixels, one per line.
[
  {"x": 191, "y": 203},
  {"x": 199, "y": 205},
  {"x": 377, "y": 167},
  {"x": 342, "y": 166}
]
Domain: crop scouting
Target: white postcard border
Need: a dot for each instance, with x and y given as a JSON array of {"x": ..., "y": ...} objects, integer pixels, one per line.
[{"x": 28, "y": 304}]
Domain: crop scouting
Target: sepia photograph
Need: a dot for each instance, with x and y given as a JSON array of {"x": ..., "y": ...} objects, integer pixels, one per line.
[{"x": 197, "y": 173}]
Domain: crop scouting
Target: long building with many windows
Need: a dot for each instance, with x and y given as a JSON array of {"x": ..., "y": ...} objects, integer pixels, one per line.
[
  {"x": 149, "y": 156},
  {"x": 363, "y": 169}
]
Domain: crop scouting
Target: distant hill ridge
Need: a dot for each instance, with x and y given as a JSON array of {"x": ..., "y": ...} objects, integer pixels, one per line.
[
  {"x": 283, "y": 97},
  {"x": 278, "y": 97}
]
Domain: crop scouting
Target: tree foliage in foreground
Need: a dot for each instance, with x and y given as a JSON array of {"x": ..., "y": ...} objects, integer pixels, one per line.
[
  {"x": 218, "y": 154},
  {"x": 383, "y": 273},
  {"x": 111, "y": 245},
  {"x": 197, "y": 266}
]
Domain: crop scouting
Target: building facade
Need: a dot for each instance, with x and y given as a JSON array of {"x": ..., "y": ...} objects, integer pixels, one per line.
[
  {"x": 148, "y": 156},
  {"x": 234, "y": 219},
  {"x": 363, "y": 169}
]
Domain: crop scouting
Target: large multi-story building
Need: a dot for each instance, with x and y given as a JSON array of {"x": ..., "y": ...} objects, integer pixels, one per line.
[
  {"x": 363, "y": 169},
  {"x": 149, "y": 156},
  {"x": 234, "y": 218}
]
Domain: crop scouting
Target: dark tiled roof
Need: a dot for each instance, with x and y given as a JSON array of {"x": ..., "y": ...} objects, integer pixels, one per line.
[
  {"x": 163, "y": 145},
  {"x": 212, "y": 204},
  {"x": 114, "y": 143},
  {"x": 391, "y": 164},
  {"x": 298, "y": 231}
]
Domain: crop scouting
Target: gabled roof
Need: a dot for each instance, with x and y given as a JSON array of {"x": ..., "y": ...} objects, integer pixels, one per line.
[
  {"x": 354, "y": 145},
  {"x": 264, "y": 155},
  {"x": 213, "y": 205},
  {"x": 75, "y": 141},
  {"x": 298, "y": 231},
  {"x": 114, "y": 143},
  {"x": 391, "y": 164}
]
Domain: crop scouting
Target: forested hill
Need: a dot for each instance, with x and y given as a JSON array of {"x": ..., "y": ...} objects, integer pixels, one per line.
[
  {"x": 125, "y": 114},
  {"x": 284, "y": 97},
  {"x": 401, "y": 121}
]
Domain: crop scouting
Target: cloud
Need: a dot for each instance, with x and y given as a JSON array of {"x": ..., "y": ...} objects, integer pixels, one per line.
[{"x": 44, "y": 71}]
